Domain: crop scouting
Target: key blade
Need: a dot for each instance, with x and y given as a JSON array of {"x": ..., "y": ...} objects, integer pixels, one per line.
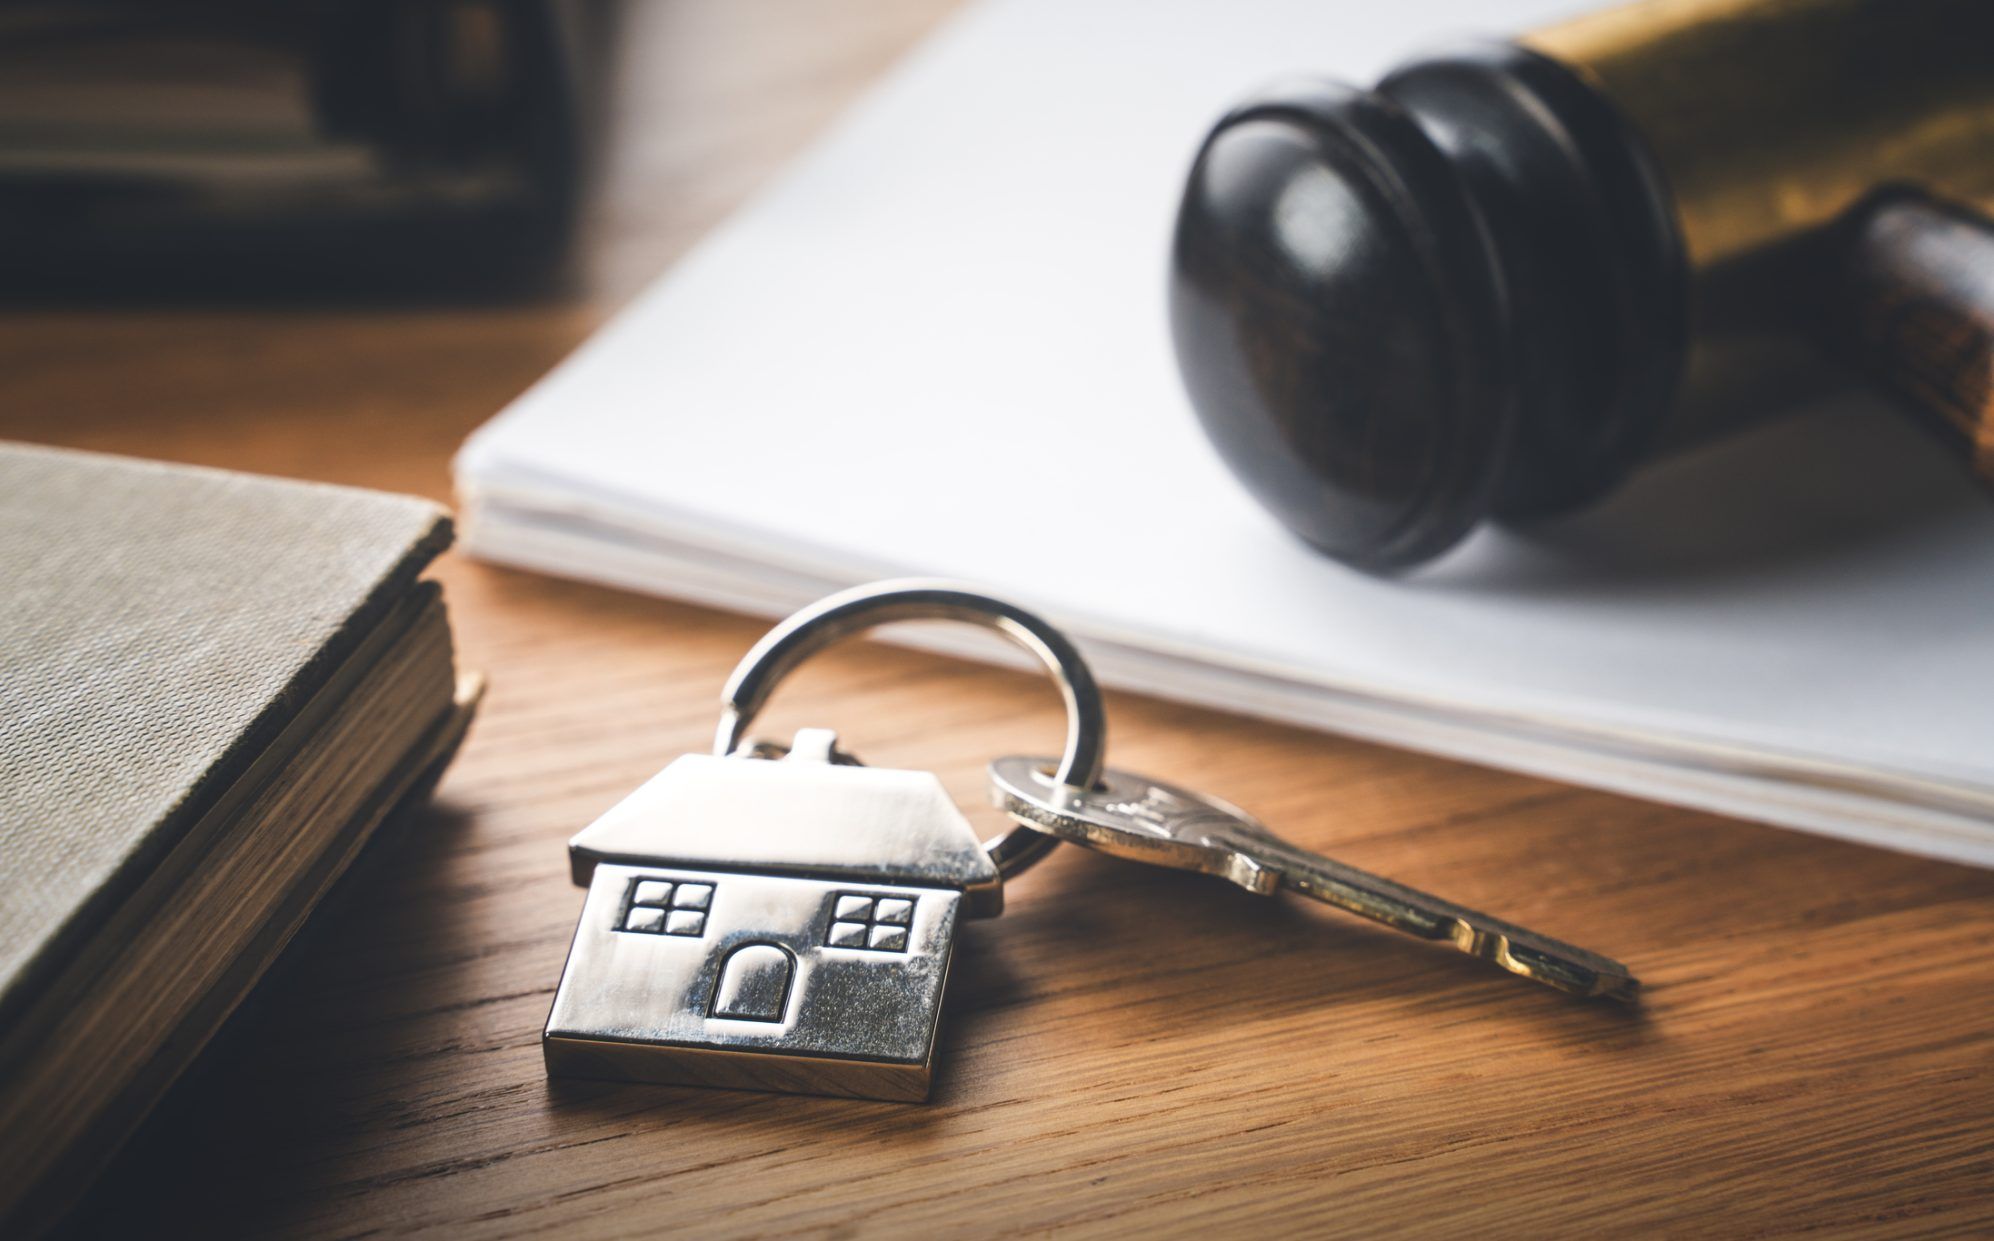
[
  {"x": 1146, "y": 820},
  {"x": 1517, "y": 949}
]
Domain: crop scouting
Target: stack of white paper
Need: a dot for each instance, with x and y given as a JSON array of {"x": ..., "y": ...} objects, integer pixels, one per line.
[{"x": 938, "y": 347}]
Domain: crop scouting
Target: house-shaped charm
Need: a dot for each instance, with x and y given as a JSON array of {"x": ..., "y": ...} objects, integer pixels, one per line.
[{"x": 769, "y": 925}]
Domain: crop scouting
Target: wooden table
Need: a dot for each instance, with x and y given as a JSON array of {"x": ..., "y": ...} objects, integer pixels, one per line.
[{"x": 1125, "y": 1049}]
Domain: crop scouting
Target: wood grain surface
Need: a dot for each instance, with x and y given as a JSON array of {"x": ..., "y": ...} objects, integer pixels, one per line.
[{"x": 1124, "y": 1050}]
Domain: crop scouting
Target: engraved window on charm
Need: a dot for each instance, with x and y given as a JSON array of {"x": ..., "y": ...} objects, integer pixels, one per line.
[
  {"x": 875, "y": 923},
  {"x": 666, "y": 907}
]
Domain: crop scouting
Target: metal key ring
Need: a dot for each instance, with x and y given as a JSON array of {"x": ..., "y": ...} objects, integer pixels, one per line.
[{"x": 861, "y": 608}]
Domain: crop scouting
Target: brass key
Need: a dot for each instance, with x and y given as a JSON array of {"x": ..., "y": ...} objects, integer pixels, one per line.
[{"x": 1146, "y": 820}]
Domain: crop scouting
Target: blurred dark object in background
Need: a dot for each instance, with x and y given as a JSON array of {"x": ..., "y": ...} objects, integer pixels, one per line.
[
  {"x": 1513, "y": 272},
  {"x": 291, "y": 147}
]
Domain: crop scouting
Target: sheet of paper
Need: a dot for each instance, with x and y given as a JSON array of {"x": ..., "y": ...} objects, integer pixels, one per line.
[{"x": 938, "y": 347}]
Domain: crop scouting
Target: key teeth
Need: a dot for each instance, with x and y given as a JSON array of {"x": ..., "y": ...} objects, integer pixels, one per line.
[
  {"x": 1251, "y": 875},
  {"x": 1566, "y": 976}
]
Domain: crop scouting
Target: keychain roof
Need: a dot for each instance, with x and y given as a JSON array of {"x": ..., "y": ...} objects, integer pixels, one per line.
[{"x": 896, "y": 827}]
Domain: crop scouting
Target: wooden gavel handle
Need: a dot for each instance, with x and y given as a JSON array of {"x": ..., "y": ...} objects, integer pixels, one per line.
[{"x": 1911, "y": 303}]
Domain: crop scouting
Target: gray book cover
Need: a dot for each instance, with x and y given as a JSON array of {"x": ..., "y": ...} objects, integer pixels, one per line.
[{"x": 160, "y": 626}]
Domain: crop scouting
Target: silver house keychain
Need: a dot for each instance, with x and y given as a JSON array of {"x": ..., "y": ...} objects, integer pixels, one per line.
[{"x": 782, "y": 918}]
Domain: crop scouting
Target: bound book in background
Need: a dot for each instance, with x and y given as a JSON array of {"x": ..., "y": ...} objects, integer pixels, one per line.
[
  {"x": 938, "y": 347},
  {"x": 213, "y": 688}
]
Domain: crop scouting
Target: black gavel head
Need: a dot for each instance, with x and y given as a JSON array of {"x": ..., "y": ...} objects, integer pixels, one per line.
[{"x": 1402, "y": 311}]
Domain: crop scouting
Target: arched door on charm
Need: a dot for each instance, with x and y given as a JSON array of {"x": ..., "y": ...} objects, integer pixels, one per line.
[{"x": 754, "y": 983}]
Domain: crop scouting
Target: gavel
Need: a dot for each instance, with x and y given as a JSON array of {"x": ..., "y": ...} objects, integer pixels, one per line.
[{"x": 1494, "y": 284}]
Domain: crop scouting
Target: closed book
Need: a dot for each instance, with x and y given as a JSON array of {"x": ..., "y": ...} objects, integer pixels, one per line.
[{"x": 213, "y": 688}]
